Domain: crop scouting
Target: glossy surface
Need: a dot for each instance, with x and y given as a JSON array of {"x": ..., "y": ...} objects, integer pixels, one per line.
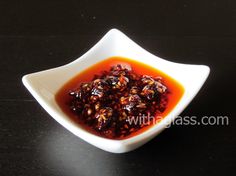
[{"x": 175, "y": 89}]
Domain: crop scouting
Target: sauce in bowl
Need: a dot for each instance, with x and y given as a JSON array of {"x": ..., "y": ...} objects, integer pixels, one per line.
[{"x": 119, "y": 98}]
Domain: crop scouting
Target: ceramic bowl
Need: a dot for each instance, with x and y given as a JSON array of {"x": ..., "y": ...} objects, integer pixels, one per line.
[{"x": 45, "y": 84}]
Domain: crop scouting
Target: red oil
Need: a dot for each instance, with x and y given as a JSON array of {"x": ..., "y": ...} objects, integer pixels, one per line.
[{"x": 62, "y": 97}]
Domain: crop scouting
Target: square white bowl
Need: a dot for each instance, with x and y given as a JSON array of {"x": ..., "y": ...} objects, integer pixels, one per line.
[{"x": 44, "y": 85}]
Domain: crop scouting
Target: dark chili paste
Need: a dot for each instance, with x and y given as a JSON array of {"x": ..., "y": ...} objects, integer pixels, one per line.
[{"x": 120, "y": 100}]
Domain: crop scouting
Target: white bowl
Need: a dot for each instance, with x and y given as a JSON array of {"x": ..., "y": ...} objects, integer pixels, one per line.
[{"x": 44, "y": 85}]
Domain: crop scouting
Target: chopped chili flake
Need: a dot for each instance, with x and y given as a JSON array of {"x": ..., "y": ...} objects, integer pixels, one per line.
[{"x": 107, "y": 102}]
